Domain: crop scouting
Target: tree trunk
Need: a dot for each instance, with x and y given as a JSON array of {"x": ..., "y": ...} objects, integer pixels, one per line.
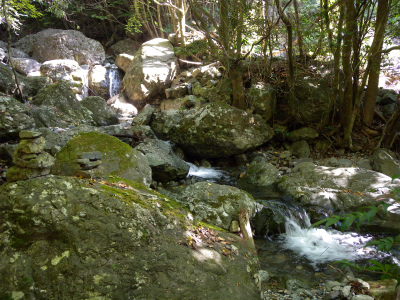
[
  {"x": 375, "y": 61},
  {"x": 236, "y": 76},
  {"x": 346, "y": 106}
]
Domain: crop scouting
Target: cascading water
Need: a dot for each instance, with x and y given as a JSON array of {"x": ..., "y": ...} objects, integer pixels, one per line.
[
  {"x": 114, "y": 79},
  {"x": 206, "y": 173},
  {"x": 321, "y": 246}
]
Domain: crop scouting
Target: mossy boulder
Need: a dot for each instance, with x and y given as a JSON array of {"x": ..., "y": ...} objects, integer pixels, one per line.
[
  {"x": 215, "y": 130},
  {"x": 70, "y": 238},
  {"x": 118, "y": 158},
  {"x": 57, "y": 106},
  {"x": 260, "y": 173}
]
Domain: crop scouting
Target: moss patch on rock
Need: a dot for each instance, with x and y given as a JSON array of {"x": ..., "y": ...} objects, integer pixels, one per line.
[{"x": 118, "y": 159}]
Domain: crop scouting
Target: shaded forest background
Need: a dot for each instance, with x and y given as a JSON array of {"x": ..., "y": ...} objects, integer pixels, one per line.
[{"x": 353, "y": 38}]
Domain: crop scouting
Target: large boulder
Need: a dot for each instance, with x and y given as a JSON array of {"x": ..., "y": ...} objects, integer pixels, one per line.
[
  {"x": 29, "y": 85},
  {"x": 216, "y": 204},
  {"x": 259, "y": 173},
  {"x": 118, "y": 158},
  {"x": 57, "y": 106},
  {"x": 126, "y": 46},
  {"x": 338, "y": 189},
  {"x": 70, "y": 238},
  {"x": 166, "y": 166},
  {"x": 14, "y": 117},
  {"x": 151, "y": 71},
  {"x": 263, "y": 99},
  {"x": 215, "y": 130},
  {"x": 26, "y": 65},
  {"x": 312, "y": 96},
  {"x": 53, "y": 44},
  {"x": 102, "y": 114},
  {"x": 66, "y": 70},
  {"x": 384, "y": 161}
]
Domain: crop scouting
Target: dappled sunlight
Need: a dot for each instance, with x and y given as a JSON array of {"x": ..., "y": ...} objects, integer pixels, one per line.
[{"x": 203, "y": 255}]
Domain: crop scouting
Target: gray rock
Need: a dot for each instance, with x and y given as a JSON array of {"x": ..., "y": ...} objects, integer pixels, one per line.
[
  {"x": 151, "y": 71},
  {"x": 260, "y": 173},
  {"x": 26, "y": 65},
  {"x": 344, "y": 163},
  {"x": 165, "y": 165},
  {"x": 362, "y": 297},
  {"x": 123, "y": 61},
  {"x": 119, "y": 159},
  {"x": 53, "y": 44},
  {"x": 144, "y": 116},
  {"x": 383, "y": 161},
  {"x": 120, "y": 105},
  {"x": 176, "y": 91},
  {"x": 57, "y": 106},
  {"x": 263, "y": 98},
  {"x": 389, "y": 98},
  {"x": 102, "y": 114},
  {"x": 14, "y": 117},
  {"x": 125, "y": 46},
  {"x": 214, "y": 130},
  {"x": 338, "y": 189},
  {"x": 312, "y": 99},
  {"x": 329, "y": 285},
  {"x": 261, "y": 277},
  {"x": 116, "y": 234},
  {"x": 305, "y": 133},
  {"x": 300, "y": 149},
  {"x": 213, "y": 203}
]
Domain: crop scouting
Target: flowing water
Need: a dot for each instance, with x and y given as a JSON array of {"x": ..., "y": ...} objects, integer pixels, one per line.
[
  {"x": 114, "y": 79},
  {"x": 300, "y": 252}
]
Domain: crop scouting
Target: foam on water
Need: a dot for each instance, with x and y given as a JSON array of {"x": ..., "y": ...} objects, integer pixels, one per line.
[
  {"x": 206, "y": 173},
  {"x": 320, "y": 246}
]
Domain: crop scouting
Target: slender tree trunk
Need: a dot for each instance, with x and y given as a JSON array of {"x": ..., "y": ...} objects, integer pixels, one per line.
[
  {"x": 393, "y": 130},
  {"x": 346, "y": 107},
  {"x": 374, "y": 60},
  {"x": 19, "y": 90},
  {"x": 290, "y": 78},
  {"x": 298, "y": 31}
]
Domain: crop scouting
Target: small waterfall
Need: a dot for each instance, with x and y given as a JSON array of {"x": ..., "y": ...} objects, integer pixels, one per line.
[
  {"x": 85, "y": 80},
  {"x": 114, "y": 79},
  {"x": 206, "y": 173},
  {"x": 320, "y": 246},
  {"x": 316, "y": 245}
]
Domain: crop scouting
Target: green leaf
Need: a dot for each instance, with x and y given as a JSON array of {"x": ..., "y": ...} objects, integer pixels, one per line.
[
  {"x": 332, "y": 220},
  {"x": 347, "y": 222}
]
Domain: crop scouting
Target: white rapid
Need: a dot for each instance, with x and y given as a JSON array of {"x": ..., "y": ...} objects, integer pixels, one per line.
[
  {"x": 206, "y": 173},
  {"x": 321, "y": 246}
]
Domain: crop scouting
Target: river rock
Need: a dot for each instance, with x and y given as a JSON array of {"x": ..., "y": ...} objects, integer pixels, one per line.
[
  {"x": 120, "y": 105},
  {"x": 57, "y": 106},
  {"x": 259, "y": 173},
  {"x": 26, "y": 65},
  {"x": 165, "y": 165},
  {"x": 303, "y": 134},
  {"x": 263, "y": 98},
  {"x": 119, "y": 159},
  {"x": 125, "y": 46},
  {"x": 311, "y": 103},
  {"x": 300, "y": 149},
  {"x": 151, "y": 72},
  {"x": 102, "y": 114},
  {"x": 144, "y": 116},
  {"x": 71, "y": 238},
  {"x": 53, "y": 44},
  {"x": 339, "y": 189},
  {"x": 14, "y": 117},
  {"x": 216, "y": 204},
  {"x": 212, "y": 131},
  {"x": 384, "y": 161}
]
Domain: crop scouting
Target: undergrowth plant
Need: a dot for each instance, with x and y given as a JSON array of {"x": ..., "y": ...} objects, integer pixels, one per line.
[{"x": 366, "y": 214}]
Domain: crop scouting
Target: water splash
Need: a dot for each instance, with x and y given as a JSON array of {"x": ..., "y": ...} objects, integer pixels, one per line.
[
  {"x": 320, "y": 246},
  {"x": 206, "y": 173}
]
